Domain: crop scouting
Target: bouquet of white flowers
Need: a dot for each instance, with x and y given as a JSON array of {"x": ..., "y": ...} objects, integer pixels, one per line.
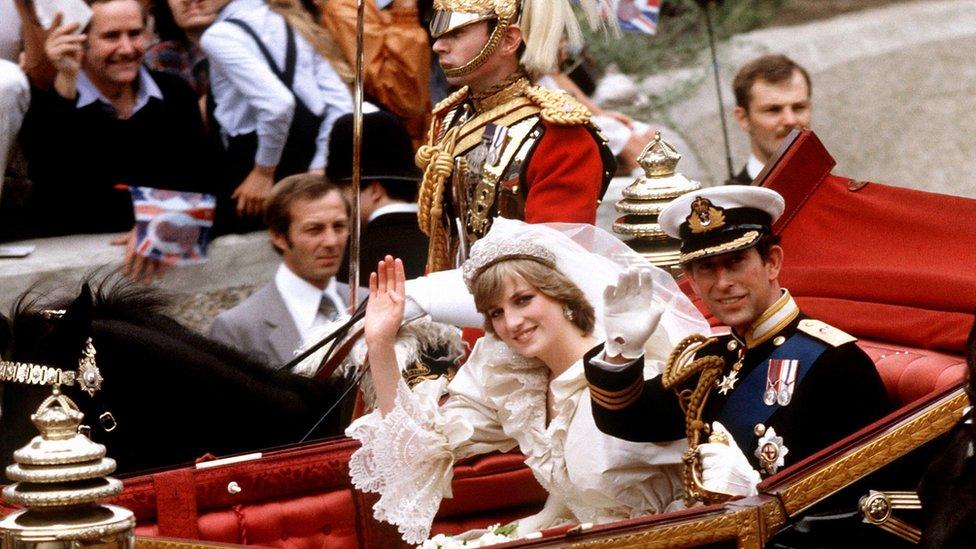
[{"x": 473, "y": 538}]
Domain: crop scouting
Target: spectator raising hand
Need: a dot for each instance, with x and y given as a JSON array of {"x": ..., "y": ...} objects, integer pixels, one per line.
[
  {"x": 65, "y": 49},
  {"x": 108, "y": 124}
]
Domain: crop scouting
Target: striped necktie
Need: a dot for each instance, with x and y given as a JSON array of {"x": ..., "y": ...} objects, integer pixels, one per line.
[{"x": 327, "y": 308}]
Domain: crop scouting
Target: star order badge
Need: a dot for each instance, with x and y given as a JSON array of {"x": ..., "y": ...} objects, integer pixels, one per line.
[
  {"x": 727, "y": 383},
  {"x": 771, "y": 451}
]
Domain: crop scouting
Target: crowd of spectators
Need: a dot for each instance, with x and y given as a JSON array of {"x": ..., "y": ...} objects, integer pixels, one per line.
[{"x": 224, "y": 97}]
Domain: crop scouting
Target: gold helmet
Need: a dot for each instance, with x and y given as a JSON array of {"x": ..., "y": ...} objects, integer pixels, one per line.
[{"x": 544, "y": 23}]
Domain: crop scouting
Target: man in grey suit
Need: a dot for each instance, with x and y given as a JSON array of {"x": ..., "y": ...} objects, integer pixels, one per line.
[{"x": 308, "y": 220}]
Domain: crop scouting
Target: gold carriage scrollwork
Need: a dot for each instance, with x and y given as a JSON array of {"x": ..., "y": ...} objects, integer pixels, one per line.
[
  {"x": 751, "y": 526},
  {"x": 752, "y": 522},
  {"x": 858, "y": 462}
]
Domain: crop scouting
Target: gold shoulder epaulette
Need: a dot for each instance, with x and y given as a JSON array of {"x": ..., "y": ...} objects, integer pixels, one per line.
[
  {"x": 450, "y": 101},
  {"x": 558, "y": 107},
  {"x": 825, "y": 332}
]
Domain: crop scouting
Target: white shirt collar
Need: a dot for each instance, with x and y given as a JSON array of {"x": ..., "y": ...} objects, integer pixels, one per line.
[
  {"x": 302, "y": 298},
  {"x": 146, "y": 88},
  {"x": 779, "y": 315},
  {"x": 393, "y": 208},
  {"x": 754, "y": 166}
]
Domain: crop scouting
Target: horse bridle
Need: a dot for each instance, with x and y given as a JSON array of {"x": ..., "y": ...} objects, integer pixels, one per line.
[{"x": 87, "y": 376}]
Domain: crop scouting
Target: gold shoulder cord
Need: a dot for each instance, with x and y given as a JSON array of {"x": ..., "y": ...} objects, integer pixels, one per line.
[
  {"x": 680, "y": 368},
  {"x": 436, "y": 159}
]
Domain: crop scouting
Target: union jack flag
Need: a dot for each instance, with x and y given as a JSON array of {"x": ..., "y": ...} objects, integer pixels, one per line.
[
  {"x": 634, "y": 15},
  {"x": 172, "y": 226}
]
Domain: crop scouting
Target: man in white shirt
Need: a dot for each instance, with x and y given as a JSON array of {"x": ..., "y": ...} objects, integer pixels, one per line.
[
  {"x": 14, "y": 90},
  {"x": 308, "y": 221},
  {"x": 275, "y": 99},
  {"x": 772, "y": 97}
]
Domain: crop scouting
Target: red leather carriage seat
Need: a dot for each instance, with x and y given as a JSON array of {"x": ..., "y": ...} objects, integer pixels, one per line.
[
  {"x": 910, "y": 373},
  {"x": 302, "y": 498}
]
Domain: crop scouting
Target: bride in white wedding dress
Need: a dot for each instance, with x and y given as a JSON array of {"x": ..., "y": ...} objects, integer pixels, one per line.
[{"x": 550, "y": 294}]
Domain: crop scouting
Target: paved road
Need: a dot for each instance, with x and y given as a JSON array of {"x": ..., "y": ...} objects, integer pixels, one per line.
[{"x": 894, "y": 94}]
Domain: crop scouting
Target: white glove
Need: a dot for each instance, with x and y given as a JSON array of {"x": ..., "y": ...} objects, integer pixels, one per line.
[
  {"x": 725, "y": 468},
  {"x": 629, "y": 316},
  {"x": 444, "y": 297}
]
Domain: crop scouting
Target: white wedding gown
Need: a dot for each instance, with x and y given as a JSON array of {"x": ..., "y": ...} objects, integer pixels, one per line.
[{"x": 498, "y": 401}]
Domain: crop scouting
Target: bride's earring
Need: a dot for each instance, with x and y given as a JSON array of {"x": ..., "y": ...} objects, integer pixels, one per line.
[{"x": 567, "y": 312}]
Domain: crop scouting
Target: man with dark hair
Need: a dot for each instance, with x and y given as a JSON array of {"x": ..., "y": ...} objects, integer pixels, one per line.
[
  {"x": 107, "y": 122},
  {"x": 308, "y": 222},
  {"x": 772, "y": 97},
  {"x": 790, "y": 385},
  {"x": 387, "y": 195}
]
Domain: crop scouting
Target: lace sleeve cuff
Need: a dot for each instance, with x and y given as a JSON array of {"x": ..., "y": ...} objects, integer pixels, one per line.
[{"x": 407, "y": 457}]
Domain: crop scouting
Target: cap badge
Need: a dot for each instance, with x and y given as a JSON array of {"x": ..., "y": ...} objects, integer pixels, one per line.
[{"x": 705, "y": 216}]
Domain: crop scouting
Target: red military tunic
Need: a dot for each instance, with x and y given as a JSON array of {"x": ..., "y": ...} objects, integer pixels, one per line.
[
  {"x": 564, "y": 176},
  {"x": 524, "y": 153}
]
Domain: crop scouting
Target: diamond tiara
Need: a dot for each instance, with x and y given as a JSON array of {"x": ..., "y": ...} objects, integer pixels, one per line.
[{"x": 485, "y": 254}]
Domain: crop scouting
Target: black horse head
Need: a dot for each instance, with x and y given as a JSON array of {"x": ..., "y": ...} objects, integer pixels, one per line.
[
  {"x": 48, "y": 335},
  {"x": 173, "y": 394}
]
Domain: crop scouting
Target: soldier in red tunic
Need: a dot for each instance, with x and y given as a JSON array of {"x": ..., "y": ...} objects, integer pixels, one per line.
[{"x": 499, "y": 145}]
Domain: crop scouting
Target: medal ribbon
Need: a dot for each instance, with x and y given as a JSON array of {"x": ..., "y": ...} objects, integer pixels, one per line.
[{"x": 745, "y": 407}]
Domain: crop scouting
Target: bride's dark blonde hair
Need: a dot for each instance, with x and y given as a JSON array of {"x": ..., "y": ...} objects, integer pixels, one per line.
[{"x": 488, "y": 287}]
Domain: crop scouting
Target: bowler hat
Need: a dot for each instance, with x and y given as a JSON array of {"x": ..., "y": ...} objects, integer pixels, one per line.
[{"x": 387, "y": 153}]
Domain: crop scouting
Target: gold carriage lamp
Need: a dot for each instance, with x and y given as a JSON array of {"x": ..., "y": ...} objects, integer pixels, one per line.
[
  {"x": 60, "y": 475},
  {"x": 644, "y": 199}
]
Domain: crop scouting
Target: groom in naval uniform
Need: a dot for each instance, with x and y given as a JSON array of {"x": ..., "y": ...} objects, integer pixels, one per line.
[
  {"x": 790, "y": 385},
  {"x": 308, "y": 221}
]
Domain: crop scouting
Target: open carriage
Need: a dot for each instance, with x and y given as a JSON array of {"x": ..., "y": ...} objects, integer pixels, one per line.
[{"x": 885, "y": 264}]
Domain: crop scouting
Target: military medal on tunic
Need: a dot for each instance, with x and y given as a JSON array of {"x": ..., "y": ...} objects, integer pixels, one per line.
[
  {"x": 727, "y": 383},
  {"x": 771, "y": 451},
  {"x": 780, "y": 381}
]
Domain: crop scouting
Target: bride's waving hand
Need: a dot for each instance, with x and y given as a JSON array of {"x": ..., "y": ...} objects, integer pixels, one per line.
[{"x": 384, "y": 314}]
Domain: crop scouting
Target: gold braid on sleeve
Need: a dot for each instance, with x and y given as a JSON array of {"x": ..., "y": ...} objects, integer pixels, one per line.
[{"x": 679, "y": 369}]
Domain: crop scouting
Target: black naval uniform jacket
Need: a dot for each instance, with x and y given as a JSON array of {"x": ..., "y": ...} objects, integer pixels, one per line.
[{"x": 841, "y": 393}]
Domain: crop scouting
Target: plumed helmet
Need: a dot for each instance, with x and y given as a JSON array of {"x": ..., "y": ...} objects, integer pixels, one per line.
[{"x": 544, "y": 24}]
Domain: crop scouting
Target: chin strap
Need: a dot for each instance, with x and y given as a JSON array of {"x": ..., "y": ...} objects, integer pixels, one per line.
[{"x": 484, "y": 54}]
